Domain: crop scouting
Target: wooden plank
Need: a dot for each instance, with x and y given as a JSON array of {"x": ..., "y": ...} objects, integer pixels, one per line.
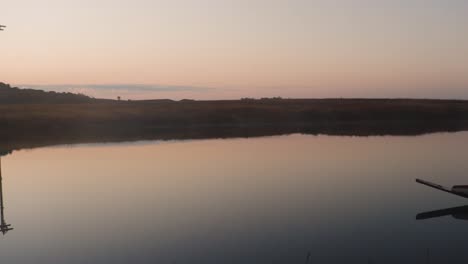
[{"x": 441, "y": 188}]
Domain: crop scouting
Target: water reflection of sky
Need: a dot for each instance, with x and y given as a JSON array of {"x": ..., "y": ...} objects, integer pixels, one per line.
[{"x": 260, "y": 200}]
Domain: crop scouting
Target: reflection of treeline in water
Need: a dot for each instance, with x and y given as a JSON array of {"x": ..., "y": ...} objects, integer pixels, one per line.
[{"x": 33, "y": 116}]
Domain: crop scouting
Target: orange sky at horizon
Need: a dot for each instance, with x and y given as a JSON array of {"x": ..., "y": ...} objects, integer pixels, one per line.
[{"x": 234, "y": 49}]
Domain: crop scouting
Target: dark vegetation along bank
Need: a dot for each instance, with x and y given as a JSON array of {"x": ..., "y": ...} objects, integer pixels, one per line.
[{"x": 30, "y": 118}]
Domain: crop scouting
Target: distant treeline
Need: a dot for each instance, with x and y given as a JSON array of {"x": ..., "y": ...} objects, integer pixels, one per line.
[
  {"x": 32, "y": 117},
  {"x": 13, "y": 95}
]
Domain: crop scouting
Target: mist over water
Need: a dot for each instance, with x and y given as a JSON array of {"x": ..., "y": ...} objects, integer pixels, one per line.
[{"x": 284, "y": 199}]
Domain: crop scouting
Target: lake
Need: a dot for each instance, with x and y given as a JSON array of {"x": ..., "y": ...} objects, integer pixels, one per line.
[{"x": 282, "y": 199}]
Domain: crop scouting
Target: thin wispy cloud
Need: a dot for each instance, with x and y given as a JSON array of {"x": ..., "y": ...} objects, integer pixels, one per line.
[
  {"x": 121, "y": 87},
  {"x": 130, "y": 91}
]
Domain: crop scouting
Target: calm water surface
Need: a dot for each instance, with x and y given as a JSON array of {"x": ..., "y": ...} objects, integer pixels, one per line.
[{"x": 288, "y": 199}]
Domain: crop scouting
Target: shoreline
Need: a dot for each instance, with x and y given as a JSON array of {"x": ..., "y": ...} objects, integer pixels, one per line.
[{"x": 30, "y": 118}]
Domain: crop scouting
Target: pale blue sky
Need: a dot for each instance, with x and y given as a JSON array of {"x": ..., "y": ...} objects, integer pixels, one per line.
[{"x": 355, "y": 48}]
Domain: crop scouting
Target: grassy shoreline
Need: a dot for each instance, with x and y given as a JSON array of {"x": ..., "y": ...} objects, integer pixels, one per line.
[{"x": 68, "y": 118}]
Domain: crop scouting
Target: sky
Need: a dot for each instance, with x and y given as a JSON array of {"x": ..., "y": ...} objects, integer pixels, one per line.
[{"x": 227, "y": 49}]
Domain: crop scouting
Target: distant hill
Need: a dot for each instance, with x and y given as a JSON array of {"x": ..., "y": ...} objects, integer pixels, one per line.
[{"x": 13, "y": 95}]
